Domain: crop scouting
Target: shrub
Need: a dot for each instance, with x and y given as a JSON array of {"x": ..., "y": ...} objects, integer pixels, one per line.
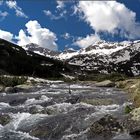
[
  {"x": 128, "y": 109},
  {"x": 136, "y": 97},
  {"x": 101, "y": 77},
  {"x": 12, "y": 80}
]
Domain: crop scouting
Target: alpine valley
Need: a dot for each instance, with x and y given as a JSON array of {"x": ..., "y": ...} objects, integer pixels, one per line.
[{"x": 100, "y": 57}]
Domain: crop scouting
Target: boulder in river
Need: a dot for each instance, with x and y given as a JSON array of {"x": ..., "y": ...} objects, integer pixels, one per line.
[
  {"x": 4, "y": 119},
  {"x": 106, "y": 126},
  {"x": 36, "y": 109},
  {"x": 73, "y": 99},
  {"x": 1, "y": 88},
  {"x": 132, "y": 122},
  {"x": 17, "y": 101},
  {"x": 23, "y": 87},
  {"x": 10, "y": 90},
  {"x": 106, "y": 83}
]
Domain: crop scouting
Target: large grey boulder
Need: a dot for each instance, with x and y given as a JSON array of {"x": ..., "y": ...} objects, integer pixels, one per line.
[
  {"x": 106, "y": 126},
  {"x": 132, "y": 122},
  {"x": 9, "y": 90},
  {"x": 106, "y": 83},
  {"x": 22, "y": 87}
]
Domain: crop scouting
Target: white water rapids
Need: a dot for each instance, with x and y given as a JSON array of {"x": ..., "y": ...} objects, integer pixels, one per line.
[{"x": 64, "y": 116}]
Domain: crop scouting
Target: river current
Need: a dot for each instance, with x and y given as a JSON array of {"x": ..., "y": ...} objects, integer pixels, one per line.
[{"x": 49, "y": 112}]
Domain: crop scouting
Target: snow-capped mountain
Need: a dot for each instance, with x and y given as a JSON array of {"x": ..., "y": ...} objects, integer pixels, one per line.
[
  {"x": 98, "y": 48},
  {"x": 100, "y": 57},
  {"x": 109, "y": 57},
  {"x": 40, "y": 50},
  {"x": 66, "y": 54}
]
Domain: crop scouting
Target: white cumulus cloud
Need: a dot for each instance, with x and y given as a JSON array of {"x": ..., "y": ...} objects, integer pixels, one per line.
[
  {"x": 109, "y": 16},
  {"x": 6, "y": 35},
  {"x": 59, "y": 13},
  {"x": 87, "y": 41},
  {"x": 3, "y": 14},
  {"x": 60, "y": 4},
  {"x": 36, "y": 34},
  {"x": 12, "y": 4},
  {"x": 54, "y": 16},
  {"x": 66, "y": 36}
]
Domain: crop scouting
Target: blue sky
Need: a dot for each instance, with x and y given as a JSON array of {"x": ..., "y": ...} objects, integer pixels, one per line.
[{"x": 57, "y": 25}]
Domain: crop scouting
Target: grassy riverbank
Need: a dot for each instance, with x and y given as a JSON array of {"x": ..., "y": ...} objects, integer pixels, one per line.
[{"x": 132, "y": 86}]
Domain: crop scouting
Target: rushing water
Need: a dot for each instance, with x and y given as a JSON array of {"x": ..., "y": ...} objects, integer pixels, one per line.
[{"x": 61, "y": 115}]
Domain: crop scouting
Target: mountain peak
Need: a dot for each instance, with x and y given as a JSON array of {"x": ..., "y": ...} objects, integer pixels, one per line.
[{"x": 32, "y": 45}]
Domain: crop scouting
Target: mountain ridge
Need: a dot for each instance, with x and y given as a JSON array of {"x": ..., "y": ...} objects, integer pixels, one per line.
[
  {"x": 17, "y": 61},
  {"x": 101, "y": 57}
]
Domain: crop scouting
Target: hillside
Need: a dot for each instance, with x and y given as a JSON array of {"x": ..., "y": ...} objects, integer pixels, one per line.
[
  {"x": 109, "y": 57},
  {"x": 15, "y": 60},
  {"x": 100, "y": 57}
]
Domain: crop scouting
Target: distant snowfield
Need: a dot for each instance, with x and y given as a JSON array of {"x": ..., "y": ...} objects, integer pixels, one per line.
[
  {"x": 102, "y": 48},
  {"x": 96, "y": 55}
]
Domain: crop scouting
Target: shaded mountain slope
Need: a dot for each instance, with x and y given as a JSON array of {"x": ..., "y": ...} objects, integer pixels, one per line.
[{"x": 15, "y": 60}]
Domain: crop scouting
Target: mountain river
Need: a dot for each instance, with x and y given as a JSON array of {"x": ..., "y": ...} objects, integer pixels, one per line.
[{"x": 50, "y": 112}]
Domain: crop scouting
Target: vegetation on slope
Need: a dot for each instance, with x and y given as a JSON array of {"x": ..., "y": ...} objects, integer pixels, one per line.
[
  {"x": 101, "y": 77},
  {"x": 16, "y": 61},
  {"x": 11, "y": 81}
]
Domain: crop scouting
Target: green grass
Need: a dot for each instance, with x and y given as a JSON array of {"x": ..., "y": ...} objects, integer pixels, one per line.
[{"x": 101, "y": 77}]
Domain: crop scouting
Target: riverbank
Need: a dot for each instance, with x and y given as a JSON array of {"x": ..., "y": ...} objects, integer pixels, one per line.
[
  {"x": 132, "y": 86},
  {"x": 14, "y": 84}
]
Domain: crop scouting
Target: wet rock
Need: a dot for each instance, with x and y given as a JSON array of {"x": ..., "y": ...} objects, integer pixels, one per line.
[
  {"x": 106, "y": 126},
  {"x": 53, "y": 127},
  {"x": 41, "y": 131},
  {"x": 1, "y": 88},
  {"x": 73, "y": 100},
  {"x": 97, "y": 101},
  {"x": 47, "y": 103},
  {"x": 35, "y": 109},
  {"x": 10, "y": 90},
  {"x": 4, "y": 119},
  {"x": 18, "y": 101},
  {"x": 133, "y": 127},
  {"x": 132, "y": 122},
  {"x": 106, "y": 83},
  {"x": 49, "y": 111},
  {"x": 23, "y": 87},
  {"x": 54, "y": 110},
  {"x": 135, "y": 114}
]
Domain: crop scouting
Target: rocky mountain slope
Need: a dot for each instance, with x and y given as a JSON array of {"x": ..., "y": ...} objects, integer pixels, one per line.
[
  {"x": 40, "y": 50},
  {"x": 15, "y": 60},
  {"x": 110, "y": 57},
  {"x": 66, "y": 54},
  {"x": 100, "y": 57}
]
